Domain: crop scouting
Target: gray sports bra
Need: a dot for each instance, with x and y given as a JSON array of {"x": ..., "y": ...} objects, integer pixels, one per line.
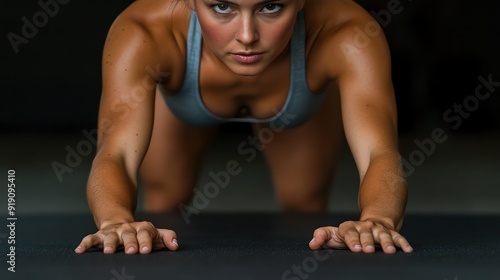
[{"x": 300, "y": 104}]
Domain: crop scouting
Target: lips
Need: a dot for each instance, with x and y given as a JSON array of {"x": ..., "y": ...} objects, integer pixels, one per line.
[{"x": 247, "y": 58}]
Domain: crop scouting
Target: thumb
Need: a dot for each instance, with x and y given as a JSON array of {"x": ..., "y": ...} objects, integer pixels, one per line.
[
  {"x": 328, "y": 236},
  {"x": 320, "y": 236},
  {"x": 169, "y": 238}
]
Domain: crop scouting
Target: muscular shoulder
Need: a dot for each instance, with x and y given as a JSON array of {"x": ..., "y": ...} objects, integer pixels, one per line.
[
  {"x": 158, "y": 17},
  {"x": 149, "y": 32},
  {"x": 343, "y": 35}
]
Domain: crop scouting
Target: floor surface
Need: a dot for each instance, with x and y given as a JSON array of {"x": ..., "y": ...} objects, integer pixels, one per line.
[{"x": 457, "y": 176}]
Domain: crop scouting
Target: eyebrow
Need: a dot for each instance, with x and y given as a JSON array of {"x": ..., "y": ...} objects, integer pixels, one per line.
[{"x": 261, "y": 3}]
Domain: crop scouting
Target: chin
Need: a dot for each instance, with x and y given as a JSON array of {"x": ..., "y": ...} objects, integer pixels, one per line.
[
  {"x": 247, "y": 70},
  {"x": 247, "y": 73}
]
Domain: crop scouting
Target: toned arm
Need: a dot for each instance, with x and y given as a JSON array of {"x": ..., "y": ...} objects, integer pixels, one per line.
[
  {"x": 363, "y": 73},
  {"x": 125, "y": 121},
  {"x": 131, "y": 72},
  {"x": 370, "y": 122}
]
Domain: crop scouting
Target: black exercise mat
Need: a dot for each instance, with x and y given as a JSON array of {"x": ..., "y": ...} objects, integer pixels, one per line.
[{"x": 257, "y": 246}]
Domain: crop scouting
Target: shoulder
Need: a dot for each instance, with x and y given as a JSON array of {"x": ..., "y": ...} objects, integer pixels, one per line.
[
  {"x": 157, "y": 17},
  {"x": 149, "y": 32},
  {"x": 342, "y": 32}
]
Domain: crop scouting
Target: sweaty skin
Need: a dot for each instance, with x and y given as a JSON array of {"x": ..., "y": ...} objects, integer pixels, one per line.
[{"x": 144, "y": 57}]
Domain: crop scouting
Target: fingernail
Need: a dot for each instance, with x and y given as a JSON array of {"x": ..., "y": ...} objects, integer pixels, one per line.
[
  {"x": 175, "y": 242},
  {"x": 369, "y": 247},
  {"x": 108, "y": 250},
  {"x": 312, "y": 240},
  {"x": 130, "y": 249},
  {"x": 391, "y": 248},
  {"x": 144, "y": 248},
  {"x": 357, "y": 247}
]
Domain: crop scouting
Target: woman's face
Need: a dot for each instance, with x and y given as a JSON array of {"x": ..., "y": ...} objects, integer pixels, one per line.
[{"x": 247, "y": 35}]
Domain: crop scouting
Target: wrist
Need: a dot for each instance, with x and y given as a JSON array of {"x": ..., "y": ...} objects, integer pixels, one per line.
[
  {"x": 388, "y": 222},
  {"x": 108, "y": 223},
  {"x": 114, "y": 220}
]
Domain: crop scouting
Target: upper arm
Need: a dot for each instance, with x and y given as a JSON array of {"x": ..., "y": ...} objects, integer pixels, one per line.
[
  {"x": 367, "y": 95},
  {"x": 126, "y": 112}
]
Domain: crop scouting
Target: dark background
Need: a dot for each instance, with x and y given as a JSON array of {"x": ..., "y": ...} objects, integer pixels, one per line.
[
  {"x": 51, "y": 88},
  {"x": 439, "y": 49}
]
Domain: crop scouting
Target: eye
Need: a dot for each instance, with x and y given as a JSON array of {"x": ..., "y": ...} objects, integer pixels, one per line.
[
  {"x": 222, "y": 9},
  {"x": 271, "y": 8}
]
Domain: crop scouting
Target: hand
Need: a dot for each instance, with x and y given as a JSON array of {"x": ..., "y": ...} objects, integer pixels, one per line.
[
  {"x": 130, "y": 237},
  {"x": 360, "y": 236}
]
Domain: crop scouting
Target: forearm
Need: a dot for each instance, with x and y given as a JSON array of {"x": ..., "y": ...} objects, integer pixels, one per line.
[
  {"x": 111, "y": 192},
  {"x": 383, "y": 192}
]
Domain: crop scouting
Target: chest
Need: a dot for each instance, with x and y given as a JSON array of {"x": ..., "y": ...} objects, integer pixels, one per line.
[{"x": 228, "y": 95}]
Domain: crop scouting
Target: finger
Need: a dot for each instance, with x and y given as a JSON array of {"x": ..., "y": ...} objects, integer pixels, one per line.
[
  {"x": 89, "y": 241},
  {"x": 349, "y": 234},
  {"x": 144, "y": 238},
  {"x": 168, "y": 238},
  {"x": 129, "y": 240},
  {"x": 352, "y": 239},
  {"x": 402, "y": 243},
  {"x": 386, "y": 242},
  {"x": 367, "y": 241},
  {"x": 111, "y": 242}
]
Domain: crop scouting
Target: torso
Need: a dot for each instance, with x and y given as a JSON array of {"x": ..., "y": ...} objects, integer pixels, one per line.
[{"x": 229, "y": 95}]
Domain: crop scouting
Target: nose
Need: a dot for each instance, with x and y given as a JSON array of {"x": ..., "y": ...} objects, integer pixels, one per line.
[{"x": 248, "y": 31}]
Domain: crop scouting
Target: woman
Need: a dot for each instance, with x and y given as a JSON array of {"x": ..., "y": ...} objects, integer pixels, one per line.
[{"x": 173, "y": 70}]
